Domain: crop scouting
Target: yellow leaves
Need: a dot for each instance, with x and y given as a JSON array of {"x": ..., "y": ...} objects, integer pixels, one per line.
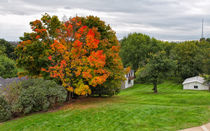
[
  {"x": 58, "y": 47},
  {"x": 22, "y": 74},
  {"x": 82, "y": 90},
  {"x": 64, "y": 84},
  {"x": 78, "y": 71},
  {"x": 99, "y": 80},
  {"x": 127, "y": 70},
  {"x": 69, "y": 88},
  {"x": 31, "y": 58}
]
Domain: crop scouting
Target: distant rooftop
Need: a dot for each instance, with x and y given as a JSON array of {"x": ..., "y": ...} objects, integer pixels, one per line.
[{"x": 194, "y": 79}]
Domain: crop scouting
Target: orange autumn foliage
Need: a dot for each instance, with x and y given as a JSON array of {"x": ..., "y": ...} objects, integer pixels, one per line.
[
  {"x": 81, "y": 53},
  {"x": 79, "y": 56}
]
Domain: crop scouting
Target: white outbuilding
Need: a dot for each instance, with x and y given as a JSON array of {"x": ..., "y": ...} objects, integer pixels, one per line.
[
  {"x": 129, "y": 82},
  {"x": 195, "y": 83}
]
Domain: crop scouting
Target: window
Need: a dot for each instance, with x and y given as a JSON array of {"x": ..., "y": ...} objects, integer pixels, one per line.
[
  {"x": 195, "y": 87},
  {"x": 129, "y": 81}
]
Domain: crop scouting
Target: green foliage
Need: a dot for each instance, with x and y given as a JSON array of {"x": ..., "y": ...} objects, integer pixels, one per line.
[
  {"x": 2, "y": 50},
  {"x": 7, "y": 48},
  {"x": 39, "y": 95},
  {"x": 33, "y": 56},
  {"x": 11, "y": 92},
  {"x": 136, "y": 48},
  {"x": 33, "y": 99},
  {"x": 192, "y": 58},
  {"x": 204, "y": 50},
  {"x": 7, "y": 67},
  {"x": 157, "y": 66},
  {"x": 5, "y": 110},
  {"x": 105, "y": 30},
  {"x": 101, "y": 91},
  {"x": 34, "y": 95},
  {"x": 207, "y": 80}
]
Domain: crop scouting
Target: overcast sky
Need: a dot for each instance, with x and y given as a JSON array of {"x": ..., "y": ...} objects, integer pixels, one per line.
[{"x": 162, "y": 19}]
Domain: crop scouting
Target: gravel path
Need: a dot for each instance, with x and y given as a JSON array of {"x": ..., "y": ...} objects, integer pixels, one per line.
[{"x": 205, "y": 127}]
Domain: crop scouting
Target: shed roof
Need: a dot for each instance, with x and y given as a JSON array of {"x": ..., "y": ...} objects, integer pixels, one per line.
[{"x": 194, "y": 79}]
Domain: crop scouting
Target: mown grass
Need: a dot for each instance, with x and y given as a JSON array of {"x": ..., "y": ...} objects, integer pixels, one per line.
[{"x": 136, "y": 108}]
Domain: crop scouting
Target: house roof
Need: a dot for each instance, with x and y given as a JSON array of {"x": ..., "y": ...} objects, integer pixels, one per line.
[
  {"x": 4, "y": 82},
  {"x": 194, "y": 79}
]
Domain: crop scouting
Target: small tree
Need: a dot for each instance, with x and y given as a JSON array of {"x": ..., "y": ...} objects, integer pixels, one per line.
[
  {"x": 158, "y": 65},
  {"x": 207, "y": 80}
]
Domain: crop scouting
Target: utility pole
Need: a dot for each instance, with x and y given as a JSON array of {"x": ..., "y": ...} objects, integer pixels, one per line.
[{"x": 202, "y": 30}]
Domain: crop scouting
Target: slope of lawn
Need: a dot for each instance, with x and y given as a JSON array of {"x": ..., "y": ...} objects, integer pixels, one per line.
[{"x": 136, "y": 108}]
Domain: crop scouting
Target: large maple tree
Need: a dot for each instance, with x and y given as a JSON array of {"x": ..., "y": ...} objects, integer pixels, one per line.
[{"x": 82, "y": 53}]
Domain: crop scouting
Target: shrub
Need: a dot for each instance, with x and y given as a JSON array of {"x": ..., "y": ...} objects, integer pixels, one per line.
[
  {"x": 34, "y": 95},
  {"x": 7, "y": 67},
  {"x": 5, "y": 110},
  {"x": 11, "y": 92},
  {"x": 33, "y": 99},
  {"x": 40, "y": 95}
]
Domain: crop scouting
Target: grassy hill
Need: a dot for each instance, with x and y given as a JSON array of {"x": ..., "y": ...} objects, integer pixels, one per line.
[{"x": 136, "y": 108}]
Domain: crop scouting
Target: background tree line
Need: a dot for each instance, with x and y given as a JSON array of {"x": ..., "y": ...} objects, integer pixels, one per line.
[{"x": 154, "y": 60}]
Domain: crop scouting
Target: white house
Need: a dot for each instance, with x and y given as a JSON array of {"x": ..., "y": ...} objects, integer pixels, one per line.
[
  {"x": 195, "y": 83},
  {"x": 129, "y": 82}
]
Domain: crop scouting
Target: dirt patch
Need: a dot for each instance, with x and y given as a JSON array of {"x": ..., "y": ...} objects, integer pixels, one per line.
[{"x": 87, "y": 102}]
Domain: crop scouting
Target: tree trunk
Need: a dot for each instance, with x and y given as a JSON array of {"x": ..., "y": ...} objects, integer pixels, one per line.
[
  {"x": 155, "y": 86},
  {"x": 100, "y": 92},
  {"x": 68, "y": 96}
]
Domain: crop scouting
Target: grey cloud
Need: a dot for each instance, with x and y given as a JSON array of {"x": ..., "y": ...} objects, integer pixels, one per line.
[{"x": 164, "y": 19}]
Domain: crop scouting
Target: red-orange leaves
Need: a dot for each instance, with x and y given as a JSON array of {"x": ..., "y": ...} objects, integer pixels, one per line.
[
  {"x": 82, "y": 29},
  {"x": 78, "y": 35},
  {"x": 38, "y": 36},
  {"x": 24, "y": 43},
  {"x": 98, "y": 80},
  {"x": 68, "y": 29},
  {"x": 76, "y": 58},
  {"x": 57, "y": 46},
  {"x": 77, "y": 43},
  {"x": 115, "y": 48},
  {"x": 50, "y": 58},
  {"x": 87, "y": 74},
  {"x": 92, "y": 43},
  {"x": 97, "y": 59}
]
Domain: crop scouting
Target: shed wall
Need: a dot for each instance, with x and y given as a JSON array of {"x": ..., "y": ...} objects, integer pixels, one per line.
[{"x": 190, "y": 86}]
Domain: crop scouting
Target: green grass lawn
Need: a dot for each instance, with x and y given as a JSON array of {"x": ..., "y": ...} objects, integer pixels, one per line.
[{"x": 136, "y": 108}]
